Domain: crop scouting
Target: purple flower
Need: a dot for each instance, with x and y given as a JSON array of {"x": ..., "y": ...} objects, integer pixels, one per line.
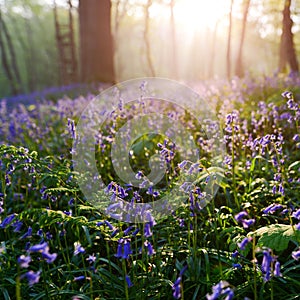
[
  {"x": 128, "y": 281},
  {"x": 277, "y": 269},
  {"x": 139, "y": 175},
  {"x": 235, "y": 254},
  {"x": 237, "y": 266},
  {"x": 17, "y": 226},
  {"x": 24, "y": 261},
  {"x": 91, "y": 259},
  {"x": 7, "y": 221},
  {"x": 248, "y": 223},
  {"x": 127, "y": 249},
  {"x": 240, "y": 216},
  {"x": 109, "y": 225},
  {"x": 50, "y": 258},
  {"x": 272, "y": 208},
  {"x": 296, "y": 254},
  {"x": 244, "y": 243},
  {"x": 177, "y": 288},
  {"x": 266, "y": 264},
  {"x": 127, "y": 230},
  {"x": 78, "y": 278},
  {"x": 78, "y": 248},
  {"x": 182, "y": 164},
  {"x": 296, "y": 214},
  {"x": 119, "y": 249},
  {"x": 27, "y": 234},
  {"x": 32, "y": 277},
  {"x": 149, "y": 248},
  {"x": 147, "y": 230},
  {"x": 296, "y": 138},
  {"x": 71, "y": 127},
  {"x": 39, "y": 247},
  {"x": 183, "y": 270},
  {"x": 221, "y": 289}
]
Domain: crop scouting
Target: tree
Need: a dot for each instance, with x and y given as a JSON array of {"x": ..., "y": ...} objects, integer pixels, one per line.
[
  {"x": 96, "y": 42},
  {"x": 239, "y": 68},
  {"x": 11, "y": 70},
  {"x": 287, "y": 53}
]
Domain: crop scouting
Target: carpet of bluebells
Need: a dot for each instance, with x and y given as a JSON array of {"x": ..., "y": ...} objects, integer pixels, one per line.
[{"x": 244, "y": 244}]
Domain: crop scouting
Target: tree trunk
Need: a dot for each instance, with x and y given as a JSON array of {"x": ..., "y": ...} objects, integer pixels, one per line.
[
  {"x": 287, "y": 53},
  {"x": 239, "y": 68},
  {"x": 14, "y": 79},
  {"x": 228, "y": 54},
  {"x": 96, "y": 43}
]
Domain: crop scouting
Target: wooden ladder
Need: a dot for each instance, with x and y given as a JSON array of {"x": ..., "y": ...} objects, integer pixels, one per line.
[{"x": 66, "y": 45}]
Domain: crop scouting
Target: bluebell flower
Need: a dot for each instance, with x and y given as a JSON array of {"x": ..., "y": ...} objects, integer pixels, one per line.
[
  {"x": 277, "y": 272},
  {"x": 177, "y": 288},
  {"x": 296, "y": 214},
  {"x": 136, "y": 232},
  {"x": 78, "y": 248},
  {"x": 24, "y": 261},
  {"x": 114, "y": 233},
  {"x": 147, "y": 230},
  {"x": 78, "y": 278},
  {"x": 266, "y": 264},
  {"x": 119, "y": 249},
  {"x": 39, "y": 247},
  {"x": 7, "y": 221},
  {"x": 32, "y": 277},
  {"x": 296, "y": 138},
  {"x": 182, "y": 164},
  {"x": 27, "y": 234},
  {"x": 17, "y": 226},
  {"x": 298, "y": 226},
  {"x": 127, "y": 230},
  {"x": 182, "y": 271},
  {"x": 248, "y": 223},
  {"x": 139, "y": 175},
  {"x": 91, "y": 258},
  {"x": 149, "y": 247},
  {"x": 240, "y": 216},
  {"x": 235, "y": 254},
  {"x": 71, "y": 127},
  {"x": 50, "y": 258},
  {"x": 296, "y": 254},
  {"x": 244, "y": 243},
  {"x": 127, "y": 249},
  {"x": 221, "y": 289},
  {"x": 237, "y": 266},
  {"x": 128, "y": 281},
  {"x": 110, "y": 226}
]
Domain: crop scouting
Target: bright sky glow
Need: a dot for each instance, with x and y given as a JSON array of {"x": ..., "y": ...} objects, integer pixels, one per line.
[{"x": 193, "y": 14}]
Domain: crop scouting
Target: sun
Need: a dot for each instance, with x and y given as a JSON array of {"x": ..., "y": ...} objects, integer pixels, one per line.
[{"x": 200, "y": 14}]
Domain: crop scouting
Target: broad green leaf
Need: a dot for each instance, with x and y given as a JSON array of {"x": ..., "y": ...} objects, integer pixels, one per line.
[{"x": 277, "y": 236}]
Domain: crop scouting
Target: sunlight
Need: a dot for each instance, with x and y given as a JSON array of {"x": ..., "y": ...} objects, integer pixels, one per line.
[{"x": 200, "y": 14}]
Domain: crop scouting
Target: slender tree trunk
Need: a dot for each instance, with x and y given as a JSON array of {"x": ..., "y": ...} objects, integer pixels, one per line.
[
  {"x": 146, "y": 39},
  {"x": 228, "y": 54},
  {"x": 287, "y": 53},
  {"x": 239, "y": 68},
  {"x": 14, "y": 84},
  {"x": 96, "y": 42}
]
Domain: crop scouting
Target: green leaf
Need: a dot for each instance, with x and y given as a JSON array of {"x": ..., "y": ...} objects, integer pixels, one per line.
[{"x": 277, "y": 236}]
